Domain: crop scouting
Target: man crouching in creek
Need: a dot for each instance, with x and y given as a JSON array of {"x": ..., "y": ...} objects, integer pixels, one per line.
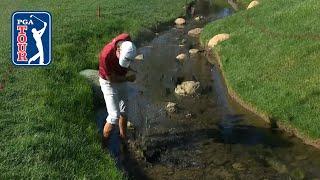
[{"x": 114, "y": 61}]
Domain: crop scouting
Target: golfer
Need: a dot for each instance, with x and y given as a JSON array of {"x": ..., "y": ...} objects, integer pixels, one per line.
[
  {"x": 114, "y": 61},
  {"x": 37, "y": 37}
]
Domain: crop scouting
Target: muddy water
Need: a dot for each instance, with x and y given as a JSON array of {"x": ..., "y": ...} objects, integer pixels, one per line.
[{"x": 210, "y": 136}]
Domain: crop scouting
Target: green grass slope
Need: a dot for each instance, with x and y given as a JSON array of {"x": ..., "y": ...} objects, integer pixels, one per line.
[
  {"x": 272, "y": 59},
  {"x": 47, "y": 126}
]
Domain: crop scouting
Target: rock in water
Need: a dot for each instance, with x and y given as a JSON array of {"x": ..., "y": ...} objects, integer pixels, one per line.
[
  {"x": 238, "y": 166},
  {"x": 195, "y": 32},
  {"x": 217, "y": 38},
  {"x": 180, "y": 21},
  {"x": 253, "y": 4},
  {"x": 198, "y": 18},
  {"x": 130, "y": 125},
  {"x": 277, "y": 165},
  {"x": 188, "y": 88},
  {"x": 139, "y": 57},
  {"x": 92, "y": 77},
  {"x": 188, "y": 116},
  {"x": 181, "y": 57},
  {"x": 171, "y": 107},
  {"x": 193, "y": 51}
]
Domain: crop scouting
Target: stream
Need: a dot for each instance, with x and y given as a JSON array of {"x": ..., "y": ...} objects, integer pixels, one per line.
[{"x": 210, "y": 136}]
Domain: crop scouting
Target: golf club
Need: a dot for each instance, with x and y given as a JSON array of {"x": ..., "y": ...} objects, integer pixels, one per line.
[{"x": 36, "y": 18}]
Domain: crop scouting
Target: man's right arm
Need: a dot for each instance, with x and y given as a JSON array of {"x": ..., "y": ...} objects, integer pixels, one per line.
[{"x": 43, "y": 29}]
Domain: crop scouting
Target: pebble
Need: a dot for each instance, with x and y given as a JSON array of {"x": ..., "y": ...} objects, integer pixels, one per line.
[
  {"x": 195, "y": 32},
  {"x": 188, "y": 116},
  {"x": 198, "y": 18},
  {"x": 193, "y": 51},
  {"x": 171, "y": 107},
  {"x": 130, "y": 125},
  {"x": 238, "y": 166},
  {"x": 139, "y": 57},
  {"x": 181, "y": 57}
]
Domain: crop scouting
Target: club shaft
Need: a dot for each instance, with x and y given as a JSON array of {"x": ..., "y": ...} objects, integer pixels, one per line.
[{"x": 37, "y": 18}]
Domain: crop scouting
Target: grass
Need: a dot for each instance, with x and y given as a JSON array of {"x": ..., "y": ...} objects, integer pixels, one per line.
[
  {"x": 272, "y": 60},
  {"x": 47, "y": 125}
]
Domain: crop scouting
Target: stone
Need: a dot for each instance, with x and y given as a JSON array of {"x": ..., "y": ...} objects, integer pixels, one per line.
[
  {"x": 92, "y": 77},
  {"x": 217, "y": 38},
  {"x": 187, "y": 88},
  {"x": 188, "y": 116},
  {"x": 193, "y": 51},
  {"x": 130, "y": 125},
  {"x": 181, "y": 57},
  {"x": 195, "y": 32},
  {"x": 180, "y": 21},
  {"x": 198, "y": 18},
  {"x": 171, "y": 107},
  {"x": 277, "y": 165},
  {"x": 139, "y": 57},
  {"x": 238, "y": 166},
  {"x": 253, "y": 4}
]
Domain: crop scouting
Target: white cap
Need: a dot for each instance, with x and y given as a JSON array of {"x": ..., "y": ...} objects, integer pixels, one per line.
[{"x": 128, "y": 52}]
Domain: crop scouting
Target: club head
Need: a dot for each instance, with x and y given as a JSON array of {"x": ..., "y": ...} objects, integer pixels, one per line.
[{"x": 31, "y": 16}]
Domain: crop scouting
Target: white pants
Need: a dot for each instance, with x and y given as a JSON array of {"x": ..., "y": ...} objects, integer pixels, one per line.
[{"x": 115, "y": 95}]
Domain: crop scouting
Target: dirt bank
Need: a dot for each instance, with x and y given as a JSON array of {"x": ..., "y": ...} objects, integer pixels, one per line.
[{"x": 274, "y": 122}]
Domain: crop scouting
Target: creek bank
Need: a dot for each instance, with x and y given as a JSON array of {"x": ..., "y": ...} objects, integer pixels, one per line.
[
  {"x": 92, "y": 77},
  {"x": 275, "y": 123},
  {"x": 266, "y": 117}
]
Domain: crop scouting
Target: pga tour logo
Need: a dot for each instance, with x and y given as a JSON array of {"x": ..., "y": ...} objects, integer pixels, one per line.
[{"x": 31, "y": 38}]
